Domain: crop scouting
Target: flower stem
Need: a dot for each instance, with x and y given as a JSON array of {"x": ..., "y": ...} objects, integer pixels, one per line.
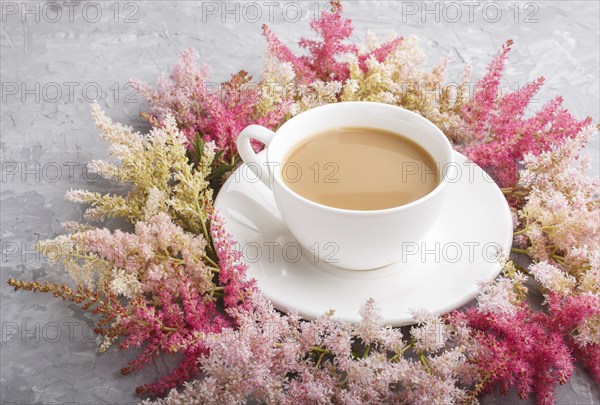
[
  {"x": 397, "y": 356},
  {"x": 517, "y": 250},
  {"x": 513, "y": 191},
  {"x": 320, "y": 359},
  {"x": 320, "y": 350},
  {"x": 424, "y": 361},
  {"x": 521, "y": 232},
  {"x": 522, "y": 269},
  {"x": 422, "y": 357},
  {"x": 212, "y": 263}
]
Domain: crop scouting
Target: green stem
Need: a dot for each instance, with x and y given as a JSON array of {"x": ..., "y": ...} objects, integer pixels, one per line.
[
  {"x": 320, "y": 359},
  {"x": 203, "y": 220},
  {"x": 521, "y": 232},
  {"x": 167, "y": 257},
  {"x": 396, "y": 356},
  {"x": 522, "y": 269},
  {"x": 204, "y": 229},
  {"x": 422, "y": 358},
  {"x": 366, "y": 353},
  {"x": 320, "y": 350},
  {"x": 214, "y": 265},
  {"x": 424, "y": 361},
  {"x": 513, "y": 191},
  {"x": 517, "y": 250}
]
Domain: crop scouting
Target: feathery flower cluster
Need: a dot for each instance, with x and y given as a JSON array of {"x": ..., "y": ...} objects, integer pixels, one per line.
[
  {"x": 276, "y": 358},
  {"x": 492, "y": 127},
  {"x": 505, "y": 133},
  {"x": 177, "y": 283},
  {"x": 157, "y": 170},
  {"x": 323, "y": 60},
  {"x": 202, "y": 109},
  {"x": 156, "y": 288},
  {"x": 336, "y": 70},
  {"x": 558, "y": 228}
]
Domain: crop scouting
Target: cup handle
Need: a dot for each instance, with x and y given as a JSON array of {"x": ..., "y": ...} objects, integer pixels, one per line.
[{"x": 256, "y": 164}]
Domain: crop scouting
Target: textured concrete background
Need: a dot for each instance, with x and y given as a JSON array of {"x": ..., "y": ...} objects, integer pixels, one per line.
[{"x": 52, "y": 64}]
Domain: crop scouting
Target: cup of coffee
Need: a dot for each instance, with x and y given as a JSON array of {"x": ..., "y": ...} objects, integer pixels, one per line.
[{"x": 355, "y": 182}]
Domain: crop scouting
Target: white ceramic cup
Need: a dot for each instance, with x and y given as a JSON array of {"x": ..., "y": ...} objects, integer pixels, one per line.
[{"x": 350, "y": 239}]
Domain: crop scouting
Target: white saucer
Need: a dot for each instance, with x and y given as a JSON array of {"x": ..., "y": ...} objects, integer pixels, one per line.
[{"x": 475, "y": 225}]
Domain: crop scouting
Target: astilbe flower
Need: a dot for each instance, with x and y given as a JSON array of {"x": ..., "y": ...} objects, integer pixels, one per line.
[
  {"x": 277, "y": 358},
  {"x": 155, "y": 288},
  {"x": 170, "y": 291},
  {"x": 505, "y": 132},
  {"x": 578, "y": 318},
  {"x": 336, "y": 70},
  {"x": 552, "y": 278},
  {"x": 561, "y": 206},
  {"x": 573, "y": 298},
  {"x": 156, "y": 169},
  {"x": 174, "y": 305},
  {"x": 529, "y": 350},
  {"x": 317, "y": 77},
  {"x": 520, "y": 351},
  {"x": 324, "y": 60},
  {"x": 187, "y": 315},
  {"x": 232, "y": 274},
  {"x": 558, "y": 227},
  {"x": 133, "y": 263},
  {"x": 516, "y": 346},
  {"x": 216, "y": 113},
  {"x": 399, "y": 79},
  {"x": 157, "y": 324}
]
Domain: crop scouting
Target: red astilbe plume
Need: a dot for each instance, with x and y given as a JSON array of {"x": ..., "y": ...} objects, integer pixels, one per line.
[
  {"x": 236, "y": 286},
  {"x": 322, "y": 61},
  {"x": 170, "y": 322},
  {"x": 569, "y": 313},
  {"x": 504, "y": 131},
  {"x": 519, "y": 350}
]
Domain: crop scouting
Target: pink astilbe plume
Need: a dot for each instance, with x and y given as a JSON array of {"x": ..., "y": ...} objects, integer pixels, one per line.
[
  {"x": 559, "y": 212},
  {"x": 486, "y": 94},
  {"x": 323, "y": 59},
  {"x": 215, "y": 113},
  {"x": 185, "y": 317},
  {"x": 506, "y": 134}
]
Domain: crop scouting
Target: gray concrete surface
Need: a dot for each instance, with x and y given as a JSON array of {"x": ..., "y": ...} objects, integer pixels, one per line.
[{"x": 52, "y": 64}]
